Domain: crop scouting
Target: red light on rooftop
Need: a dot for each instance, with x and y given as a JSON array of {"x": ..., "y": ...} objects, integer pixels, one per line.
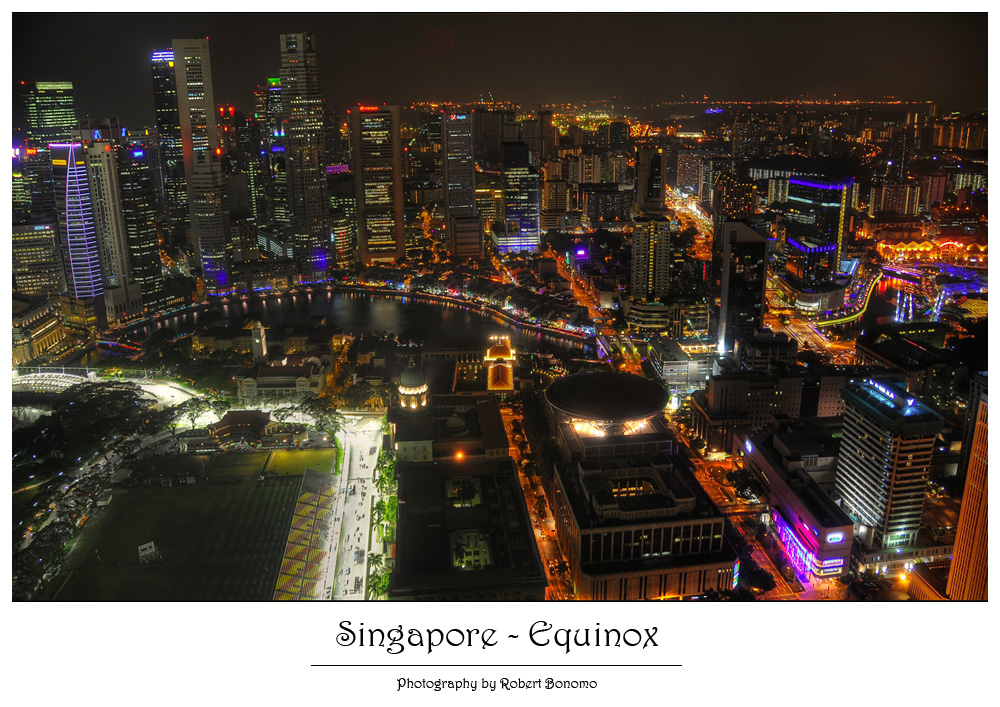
[{"x": 107, "y": 148}]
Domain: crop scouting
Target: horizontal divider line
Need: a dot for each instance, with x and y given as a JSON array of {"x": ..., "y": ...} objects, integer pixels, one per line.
[{"x": 492, "y": 665}]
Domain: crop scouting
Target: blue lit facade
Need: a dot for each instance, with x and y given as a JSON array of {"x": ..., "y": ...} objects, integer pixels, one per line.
[
  {"x": 884, "y": 462},
  {"x": 521, "y": 210},
  {"x": 822, "y": 204},
  {"x": 77, "y": 228}
]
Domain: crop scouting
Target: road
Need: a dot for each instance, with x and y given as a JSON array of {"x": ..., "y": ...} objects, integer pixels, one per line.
[{"x": 354, "y": 538}]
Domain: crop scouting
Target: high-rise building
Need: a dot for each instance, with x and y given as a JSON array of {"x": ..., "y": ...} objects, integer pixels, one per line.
[
  {"x": 138, "y": 200},
  {"x": 821, "y": 203},
  {"x": 378, "y": 182},
  {"x": 36, "y": 261},
  {"x": 459, "y": 166},
  {"x": 210, "y": 223},
  {"x": 967, "y": 580},
  {"x": 978, "y": 390},
  {"x": 653, "y": 257},
  {"x": 207, "y": 209},
  {"x": 195, "y": 99},
  {"x": 884, "y": 460},
  {"x": 173, "y": 189},
  {"x": 77, "y": 230},
  {"x": 122, "y": 296},
  {"x": 305, "y": 154},
  {"x": 49, "y": 117},
  {"x": 744, "y": 283},
  {"x": 650, "y": 177},
  {"x": 522, "y": 201},
  {"x": 49, "y": 112}
]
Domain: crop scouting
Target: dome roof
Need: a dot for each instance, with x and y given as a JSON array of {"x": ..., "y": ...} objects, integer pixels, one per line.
[
  {"x": 455, "y": 423},
  {"x": 606, "y": 396},
  {"x": 499, "y": 350},
  {"x": 412, "y": 377}
]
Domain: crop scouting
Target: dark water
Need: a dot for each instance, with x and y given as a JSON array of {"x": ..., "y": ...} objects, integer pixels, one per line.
[{"x": 357, "y": 313}]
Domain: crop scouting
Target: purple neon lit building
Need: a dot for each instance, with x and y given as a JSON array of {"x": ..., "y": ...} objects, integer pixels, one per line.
[
  {"x": 823, "y": 204},
  {"x": 77, "y": 230}
]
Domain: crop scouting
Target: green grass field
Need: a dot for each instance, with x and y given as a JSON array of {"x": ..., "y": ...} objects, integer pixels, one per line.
[
  {"x": 176, "y": 466},
  {"x": 219, "y": 542},
  {"x": 241, "y": 465},
  {"x": 283, "y": 462}
]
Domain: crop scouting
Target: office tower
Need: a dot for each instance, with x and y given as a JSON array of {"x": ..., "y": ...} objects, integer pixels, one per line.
[
  {"x": 823, "y": 204},
  {"x": 210, "y": 221},
  {"x": 522, "y": 201},
  {"x": 35, "y": 260},
  {"x": 459, "y": 168},
  {"x": 173, "y": 187},
  {"x": 744, "y": 282},
  {"x": 20, "y": 190},
  {"x": 49, "y": 112},
  {"x": 746, "y": 139},
  {"x": 138, "y": 200},
  {"x": 650, "y": 177},
  {"x": 305, "y": 154},
  {"x": 615, "y": 135},
  {"x": 195, "y": 99},
  {"x": 378, "y": 182},
  {"x": 978, "y": 389},
  {"x": 49, "y": 117},
  {"x": 122, "y": 296},
  {"x": 459, "y": 164},
  {"x": 967, "y": 580},
  {"x": 208, "y": 213},
  {"x": 732, "y": 200},
  {"x": 884, "y": 460},
  {"x": 777, "y": 190},
  {"x": 653, "y": 258},
  {"x": 690, "y": 168},
  {"x": 77, "y": 231}
]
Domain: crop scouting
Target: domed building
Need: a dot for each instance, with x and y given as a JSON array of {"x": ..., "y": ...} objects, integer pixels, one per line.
[
  {"x": 412, "y": 388},
  {"x": 499, "y": 364}
]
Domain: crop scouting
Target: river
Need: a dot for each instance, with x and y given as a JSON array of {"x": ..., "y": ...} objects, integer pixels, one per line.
[{"x": 357, "y": 313}]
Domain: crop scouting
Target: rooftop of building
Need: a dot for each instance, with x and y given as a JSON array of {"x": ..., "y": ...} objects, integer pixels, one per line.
[
  {"x": 606, "y": 395},
  {"x": 463, "y": 524},
  {"x": 894, "y": 407},
  {"x": 934, "y": 574},
  {"x": 903, "y": 352},
  {"x": 608, "y": 493}
]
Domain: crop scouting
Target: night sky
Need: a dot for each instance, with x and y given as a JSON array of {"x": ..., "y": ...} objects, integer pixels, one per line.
[{"x": 526, "y": 58}]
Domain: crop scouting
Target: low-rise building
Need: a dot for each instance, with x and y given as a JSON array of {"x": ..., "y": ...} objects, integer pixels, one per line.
[
  {"x": 296, "y": 378},
  {"x": 37, "y": 327}
]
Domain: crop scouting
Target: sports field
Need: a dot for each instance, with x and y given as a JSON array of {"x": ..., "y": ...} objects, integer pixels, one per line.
[
  {"x": 283, "y": 462},
  {"x": 217, "y": 541},
  {"x": 239, "y": 465}
]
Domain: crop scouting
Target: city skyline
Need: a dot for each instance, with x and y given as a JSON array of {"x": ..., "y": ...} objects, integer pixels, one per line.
[{"x": 448, "y": 57}]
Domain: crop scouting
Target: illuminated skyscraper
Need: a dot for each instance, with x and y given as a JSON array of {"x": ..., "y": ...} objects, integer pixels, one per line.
[
  {"x": 650, "y": 177},
  {"x": 305, "y": 154},
  {"x": 522, "y": 201},
  {"x": 821, "y": 203},
  {"x": 883, "y": 462},
  {"x": 138, "y": 199},
  {"x": 202, "y": 169},
  {"x": 210, "y": 221},
  {"x": 173, "y": 190},
  {"x": 652, "y": 258},
  {"x": 35, "y": 260},
  {"x": 378, "y": 182},
  {"x": 459, "y": 165},
  {"x": 744, "y": 283},
  {"x": 77, "y": 231},
  {"x": 967, "y": 580},
  {"x": 49, "y": 112},
  {"x": 122, "y": 296},
  {"x": 49, "y": 117}
]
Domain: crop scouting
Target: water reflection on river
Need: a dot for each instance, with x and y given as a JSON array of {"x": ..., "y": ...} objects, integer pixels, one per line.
[{"x": 357, "y": 313}]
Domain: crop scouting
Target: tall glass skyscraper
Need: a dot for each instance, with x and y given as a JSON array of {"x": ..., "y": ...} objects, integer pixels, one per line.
[
  {"x": 378, "y": 182},
  {"x": 138, "y": 199},
  {"x": 821, "y": 203},
  {"x": 744, "y": 283},
  {"x": 305, "y": 152},
  {"x": 173, "y": 190},
  {"x": 77, "y": 230},
  {"x": 49, "y": 117},
  {"x": 522, "y": 201}
]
